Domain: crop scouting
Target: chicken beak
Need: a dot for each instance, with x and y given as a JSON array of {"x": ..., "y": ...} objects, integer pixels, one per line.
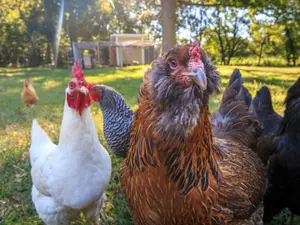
[
  {"x": 199, "y": 78},
  {"x": 84, "y": 90},
  {"x": 84, "y": 99}
]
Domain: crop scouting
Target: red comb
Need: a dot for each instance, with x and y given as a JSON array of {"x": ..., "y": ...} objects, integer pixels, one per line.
[
  {"x": 93, "y": 93},
  {"x": 77, "y": 71},
  {"x": 194, "y": 53},
  {"x": 89, "y": 87}
]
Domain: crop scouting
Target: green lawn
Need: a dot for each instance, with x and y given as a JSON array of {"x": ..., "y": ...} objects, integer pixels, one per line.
[{"x": 15, "y": 125}]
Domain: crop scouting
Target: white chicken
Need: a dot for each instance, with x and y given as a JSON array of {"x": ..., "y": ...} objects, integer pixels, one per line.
[{"x": 71, "y": 177}]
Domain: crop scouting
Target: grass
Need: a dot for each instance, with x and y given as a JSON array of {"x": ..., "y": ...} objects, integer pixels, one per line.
[
  {"x": 15, "y": 126},
  {"x": 265, "y": 61}
]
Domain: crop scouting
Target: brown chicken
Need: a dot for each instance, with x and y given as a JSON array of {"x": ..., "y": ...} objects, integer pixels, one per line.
[
  {"x": 29, "y": 95},
  {"x": 176, "y": 172}
]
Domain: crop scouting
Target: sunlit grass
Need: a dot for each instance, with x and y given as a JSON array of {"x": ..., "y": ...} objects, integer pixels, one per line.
[
  {"x": 265, "y": 61},
  {"x": 15, "y": 125}
]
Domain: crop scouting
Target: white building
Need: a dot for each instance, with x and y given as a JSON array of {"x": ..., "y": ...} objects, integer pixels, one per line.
[{"x": 121, "y": 50}]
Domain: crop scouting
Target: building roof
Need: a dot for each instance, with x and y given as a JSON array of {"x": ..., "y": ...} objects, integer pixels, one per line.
[
  {"x": 96, "y": 44},
  {"x": 128, "y": 35}
]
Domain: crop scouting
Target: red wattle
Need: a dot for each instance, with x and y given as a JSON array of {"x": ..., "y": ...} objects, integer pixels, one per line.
[{"x": 78, "y": 101}]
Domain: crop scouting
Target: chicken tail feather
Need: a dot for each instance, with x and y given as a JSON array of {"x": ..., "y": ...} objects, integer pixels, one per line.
[
  {"x": 233, "y": 120},
  {"x": 39, "y": 140}
]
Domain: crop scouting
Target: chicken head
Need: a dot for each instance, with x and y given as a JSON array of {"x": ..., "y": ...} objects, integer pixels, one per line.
[
  {"x": 78, "y": 97},
  {"x": 180, "y": 83}
]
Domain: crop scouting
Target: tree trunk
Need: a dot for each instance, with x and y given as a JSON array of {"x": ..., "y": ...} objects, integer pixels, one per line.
[
  {"x": 222, "y": 49},
  {"x": 72, "y": 30},
  {"x": 228, "y": 60},
  {"x": 223, "y": 54},
  {"x": 48, "y": 53},
  {"x": 294, "y": 59},
  {"x": 168, "y": 21},
  {"x": 290, "y": 47},
  {"x": 50, "y": 30},
  {"x": 288, "y": 58},
  {"x": 261, "y": 50}
]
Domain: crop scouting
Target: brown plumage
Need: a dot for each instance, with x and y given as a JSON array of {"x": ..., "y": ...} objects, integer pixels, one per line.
[
  {"x": 176, "y": 172},
  {"x": 28, "y": 94}
]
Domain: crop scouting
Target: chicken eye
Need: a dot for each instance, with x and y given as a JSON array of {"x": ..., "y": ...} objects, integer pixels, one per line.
[
  {"x": 72, "y": 85},
  {"x": 173, "y": 64}
]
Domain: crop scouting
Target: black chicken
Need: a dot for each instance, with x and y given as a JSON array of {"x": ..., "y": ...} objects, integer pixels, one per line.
[
  {"x": 234, "y": 115},
  {"x": 263, "y": 110},
  {"x": 270, "y": 120},
  {"x": 237, "y": 75},
  {"x": 284, "y": 167}
]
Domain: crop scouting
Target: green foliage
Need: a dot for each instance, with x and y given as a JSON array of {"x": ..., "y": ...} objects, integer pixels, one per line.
[
  {"x": 28, "y": 28},
  {"x": 225, "y": 33},
  {"x": 223, "y": 27},
  {"x": 16, "y": 206}
]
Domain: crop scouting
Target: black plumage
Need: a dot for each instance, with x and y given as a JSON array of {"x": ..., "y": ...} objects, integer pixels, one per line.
[
  {"x": 284, "y": 167},
  {"x": 264, "y": 112},
  {"x": 233, "y": 117},
  {"x": 236, "y": 75},
  {"x": 270, "y": 120}
]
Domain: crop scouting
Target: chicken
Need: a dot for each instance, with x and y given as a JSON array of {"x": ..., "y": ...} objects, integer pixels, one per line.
[
  {"x": 267, "y": 145},
  {"x": 284, "y": 167},
  {"x": 233, "y": 119},
  {"x": 263, "y": 109},
  {"x": 237, "y": 75},
  {"x": 28, "y": 95},
  {"x": 269, "y": 120},
  {"x": 117, "y": 118},
  {"x": 71, "y": 177},
  {"x": 176, "y": 171}
]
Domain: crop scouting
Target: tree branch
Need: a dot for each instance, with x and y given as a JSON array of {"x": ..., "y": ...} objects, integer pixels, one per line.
[
  {"x": 184, "y": 2},
  {"x": 150, "y": 16}
]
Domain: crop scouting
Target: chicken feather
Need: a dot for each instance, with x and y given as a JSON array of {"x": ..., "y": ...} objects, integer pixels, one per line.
[
  {"x": 71, "y": 177},
  {"x": 176, "y": 170},
  {"x": 28, "y": 94}
]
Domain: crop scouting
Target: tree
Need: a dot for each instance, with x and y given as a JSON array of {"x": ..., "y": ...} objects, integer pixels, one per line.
[
  {"x": 267, "y": 38},
  {"x": 196, "y": 20},
  {"x": 226, "y": 32},
  {"x": 168, "y": 22},
  {"x": 287, "y": 15},
  {"x": 22, "y": 26},
  {"x": 50, "y": 19}
]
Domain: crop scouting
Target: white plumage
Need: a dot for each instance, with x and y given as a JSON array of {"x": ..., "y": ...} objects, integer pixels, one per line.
[{"x": 70, "y": 177}]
